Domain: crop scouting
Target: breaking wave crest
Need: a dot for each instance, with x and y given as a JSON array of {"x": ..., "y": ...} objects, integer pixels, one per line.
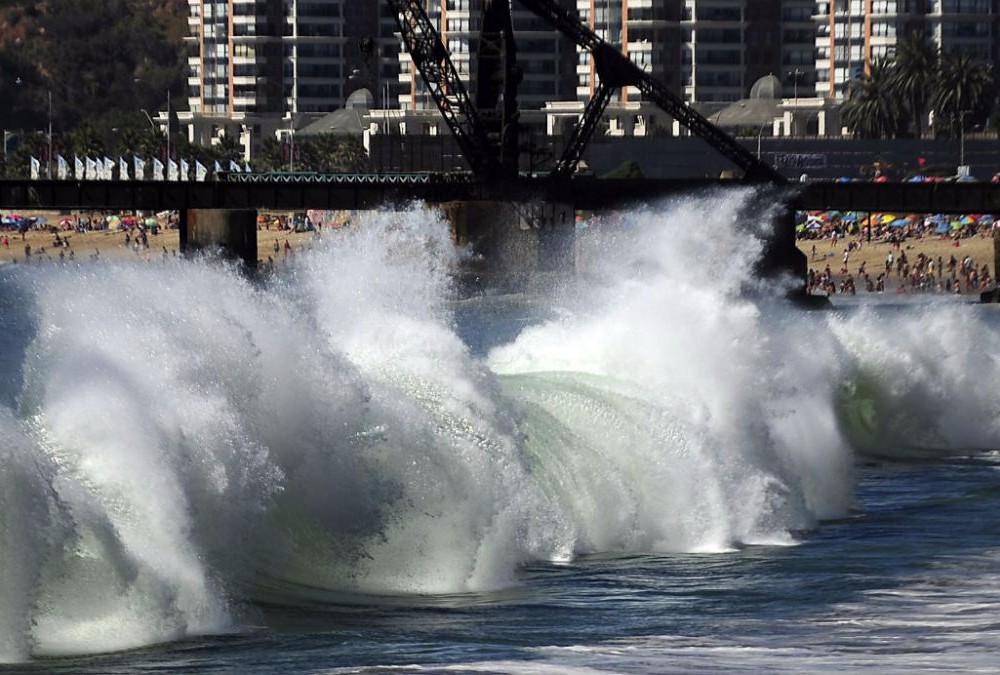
[{"x": 178, "y": 443}]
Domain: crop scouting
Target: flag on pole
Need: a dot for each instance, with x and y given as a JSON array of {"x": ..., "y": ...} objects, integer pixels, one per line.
[
  {"x": 246, "y": 167},
  {"x": 35, "y": 168},
  {"x": 218, "y": 168},
  {"x": 79, "y": 172},
  {"x": 91, "y": 169},
  {"x": 122, "y": 168},
  {"x": 200, "y": 172},
  {"x": 171, "y": 170},
  {"x": 157, "y": 169},
  {"x": 138, "y": 168},
  {"x": 233, "y": 167},
  {"x": 185, "y": 169},
  {"x": 109, "y": 169},
  {"x": 62, "y": 167}
]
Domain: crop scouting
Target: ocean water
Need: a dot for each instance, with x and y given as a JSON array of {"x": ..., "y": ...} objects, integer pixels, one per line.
[{"x": 653, "y": 466}]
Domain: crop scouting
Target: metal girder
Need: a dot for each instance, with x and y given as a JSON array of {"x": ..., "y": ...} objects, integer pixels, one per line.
[
  {"x": 582, "y": 132},
  {"x": 497, "y": 80},
  {"x": 616, "y": 70},
  {"x": 446, "y": 88}
]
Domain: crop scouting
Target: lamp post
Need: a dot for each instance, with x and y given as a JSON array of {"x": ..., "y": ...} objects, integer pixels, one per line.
[
  {"x": 759, "y": 133},
  {"x": 291, "y": 143},
  {"x": 961, "y": 136},
  {"x": 796, "y": 74},
  {"x": 168, "y": 127},
  {"x": 48, "y": 168}
]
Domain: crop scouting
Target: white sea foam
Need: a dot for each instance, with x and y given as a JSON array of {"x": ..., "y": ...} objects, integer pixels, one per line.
[{"x": 178, "y": 443}]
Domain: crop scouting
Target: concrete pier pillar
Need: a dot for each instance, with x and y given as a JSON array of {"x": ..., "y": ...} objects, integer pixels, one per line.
[
  {"x": 511, "y": 242},
  {"x": 232, "y": 233}
]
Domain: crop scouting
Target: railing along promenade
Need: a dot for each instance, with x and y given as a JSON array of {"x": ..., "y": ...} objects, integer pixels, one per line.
[{"x": 371, "y": 191}]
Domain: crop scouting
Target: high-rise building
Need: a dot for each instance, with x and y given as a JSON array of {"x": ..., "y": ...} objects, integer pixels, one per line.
[
  {"x": 705, "y": 50},
  {"x": 544, "y": 56},
  {"x": 851, "y": 34},
  {"x": 253, "y": 62}
]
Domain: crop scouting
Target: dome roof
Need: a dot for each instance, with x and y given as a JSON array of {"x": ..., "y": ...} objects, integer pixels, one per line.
[
  {"x": 767, "y": 87},
  {"x": 360, "y": 99}
]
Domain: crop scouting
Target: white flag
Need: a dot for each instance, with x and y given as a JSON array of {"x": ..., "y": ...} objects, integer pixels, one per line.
[
  {"x": 171, "y": 170},
  {"x": 62, "y": 167},
  {"x": 233, "y": 167},
  {"x": 200, "y": 172},
  {"x": 218, "y": 168},
  {"x": 79, "y": 172},
  {"x": 246, "y": 167},
  {"x": 138, "y": 168},
  {"x": 157, "y": 169},
  {"x": 91, "y": 169},
  {"x": 122, "y": 169},
  {"x": 35, "y": 168},
  {"x": 109, "y": 168},
  {"x": 185, "y": 170}
]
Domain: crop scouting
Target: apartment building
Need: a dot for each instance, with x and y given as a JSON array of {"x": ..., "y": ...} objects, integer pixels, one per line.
[
  {"x": 706, "y": 50},
  {"x": 257, "y": 66},
  {"x": 851, "y": 34},
  {"x": 545, "y": 57}
]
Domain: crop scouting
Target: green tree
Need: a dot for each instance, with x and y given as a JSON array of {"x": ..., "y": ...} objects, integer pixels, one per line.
[
  {"x": 914, "y": 71},
  {"x": 964, "y": 93},
  {"x": 872, "y": 107},
  {"x": 350, "y": 155},
  {"x": 269, "y": 157}
]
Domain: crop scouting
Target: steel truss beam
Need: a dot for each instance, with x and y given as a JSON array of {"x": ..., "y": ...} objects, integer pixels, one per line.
[
  {"x": 446, "y": 88},
  {"x": 616, "y": 70}
]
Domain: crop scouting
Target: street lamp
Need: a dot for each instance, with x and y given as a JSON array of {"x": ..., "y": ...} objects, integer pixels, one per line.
[
  {"x": 796, "y": 74},
  {"x": 961, "y": 136},
  {"x": 48, "y": 168},
  {"x": 759, "y": 133},
  {"x": 291, "y": 143}
]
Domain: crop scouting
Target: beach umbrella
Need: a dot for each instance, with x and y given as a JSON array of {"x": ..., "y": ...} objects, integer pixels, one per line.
[
  {"x": 151, "y": 222},
  {"x": 887, "y": 218},
  {"x": 956, "y": 224},
  {"x": 942, "y": 228},
  {"x": 899, "y": 222},
  {"x": 850, "y": 217},
  {"x": 986, "y": 219},
  {"x": 966, "y": 220}
]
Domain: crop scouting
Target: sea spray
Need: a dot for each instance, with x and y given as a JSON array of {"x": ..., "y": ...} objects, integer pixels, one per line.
[
  {"x": 677, "y": 395},
  {"x": 923, "y": 379},
  {"x": 188, "y": 443}
]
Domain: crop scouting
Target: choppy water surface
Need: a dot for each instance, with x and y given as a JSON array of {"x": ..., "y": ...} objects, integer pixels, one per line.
[{"x": 647, "y": 468}]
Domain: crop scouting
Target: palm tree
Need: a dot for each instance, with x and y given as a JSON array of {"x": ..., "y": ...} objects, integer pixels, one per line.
[
  {"x": 872, "y": 107},
  {"x": 915, "y": 67},
  {"x": 965, "y": 87}
]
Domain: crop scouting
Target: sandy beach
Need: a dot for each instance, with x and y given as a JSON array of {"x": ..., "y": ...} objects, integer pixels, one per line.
[
  {"x": 111, "y": 245},
  {"x": 978, "y": 247}
]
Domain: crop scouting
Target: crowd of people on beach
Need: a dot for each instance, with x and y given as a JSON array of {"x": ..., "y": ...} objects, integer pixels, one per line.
[{"x": 922, "y": 274}]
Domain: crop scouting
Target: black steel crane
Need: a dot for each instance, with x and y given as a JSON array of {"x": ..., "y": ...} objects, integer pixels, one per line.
[{"x": 487, "y": 132}]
